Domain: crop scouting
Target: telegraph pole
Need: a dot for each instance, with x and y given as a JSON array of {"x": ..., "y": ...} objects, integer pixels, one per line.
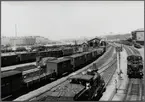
[{"x": 119, "y": 72}]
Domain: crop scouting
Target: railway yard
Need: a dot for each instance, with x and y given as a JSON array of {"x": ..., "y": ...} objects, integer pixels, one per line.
[{"x": 68, "y": 75}]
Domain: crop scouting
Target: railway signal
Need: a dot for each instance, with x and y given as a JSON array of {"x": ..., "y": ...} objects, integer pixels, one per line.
[
  {"x": 119, "y": 71},
  {"x": 118, "y": 50}
]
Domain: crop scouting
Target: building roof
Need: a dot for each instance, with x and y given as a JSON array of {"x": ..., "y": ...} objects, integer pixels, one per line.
[
  {"x": 84, "y": 43},
  {"x": 139, "y": 30},
  {"x": 96, "y": 38}
]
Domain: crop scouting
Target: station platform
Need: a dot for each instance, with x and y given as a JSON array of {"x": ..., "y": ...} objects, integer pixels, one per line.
[
  {"x": 117, "y": 82},
  {"x": 117, "y": 89}
]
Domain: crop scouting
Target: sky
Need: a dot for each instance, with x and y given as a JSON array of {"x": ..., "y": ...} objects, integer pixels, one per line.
[{"x": 70, "y": 19}]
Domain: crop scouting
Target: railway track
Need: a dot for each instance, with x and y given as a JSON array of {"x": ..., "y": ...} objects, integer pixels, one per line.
[
  {"x": 101, "y": 69},
  {"x": 106, "y": 71},
  {"x": 107, "y": 74},
  {"x": 134, "y": 91},
  {"x": 135, "y": 87},
  {"x": 128, "y": 50},
  {"x": 135, "y": 51}
]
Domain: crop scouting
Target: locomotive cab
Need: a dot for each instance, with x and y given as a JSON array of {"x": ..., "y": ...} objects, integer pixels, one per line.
[{"x": 93, "y": 82}]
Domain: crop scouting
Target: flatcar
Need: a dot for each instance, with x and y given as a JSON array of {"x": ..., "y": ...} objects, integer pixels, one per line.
[{"x": 134, "y": 66}]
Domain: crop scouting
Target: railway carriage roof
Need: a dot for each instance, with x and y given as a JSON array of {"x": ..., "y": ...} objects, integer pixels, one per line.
[
  {"x": 77, "y": 55},
  {"x": 26, "y": 67},
  {"x": 9, "y": 73},
  {"x": 59, "y": 60},
  {"x": 30, "y": 71},
  {"x": 45, "y": 59},
  {"x": 12, "y": 53}
]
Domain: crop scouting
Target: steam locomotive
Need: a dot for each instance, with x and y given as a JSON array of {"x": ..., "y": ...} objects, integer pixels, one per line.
[
  {"x": 51, "y": 69},
  {"x": 82, "y": 87}
]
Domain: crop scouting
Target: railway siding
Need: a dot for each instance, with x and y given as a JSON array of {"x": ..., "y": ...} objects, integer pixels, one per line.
[
  {"x": 36, "y": 93},
  {"x": 106, "y": 71}
]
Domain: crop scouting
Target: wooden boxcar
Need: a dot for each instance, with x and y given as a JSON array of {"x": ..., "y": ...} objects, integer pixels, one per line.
[
  {"x": 77, "y": 60},
  {"x": 59, "y": 66},
  {"x": 11, "y": 82},
  {"x": 27, "y": 57},
  {"x": 8, "y": 60},
  {"x": 88, "y": 56},
  {"x": 94, "y": 54},
  {"x": 68, "y": 51}
]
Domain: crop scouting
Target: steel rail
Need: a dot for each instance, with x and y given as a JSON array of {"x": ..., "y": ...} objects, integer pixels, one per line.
[
  {"x": 42, "y": 92},
  {"x": 129, "y": 88}
]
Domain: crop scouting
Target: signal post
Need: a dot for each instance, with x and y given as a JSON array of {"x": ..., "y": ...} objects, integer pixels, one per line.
[{"x": 119, "y": 71}]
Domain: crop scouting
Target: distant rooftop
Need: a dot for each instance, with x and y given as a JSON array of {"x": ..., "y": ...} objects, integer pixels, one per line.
[
  {"x": 98, "y": 38},
  {"x": 141, "y": 29}
]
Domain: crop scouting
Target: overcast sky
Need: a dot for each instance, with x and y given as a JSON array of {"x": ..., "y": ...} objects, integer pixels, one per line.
[{"x": 72, "y": 19}]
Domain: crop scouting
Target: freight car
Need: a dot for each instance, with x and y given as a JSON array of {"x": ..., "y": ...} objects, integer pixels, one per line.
[
  {"x": 33, "y": 76},
  {"x": 134, "y": 66},
  {"x": 18, "y": 58},
  {"x": 11, "y": 82},
  {"x": 77, "y": 60},
  {"x": 60, "y": 66},
  {"x": 54, "y": 68},
  {"x": 88, "y": 56},
  {"x": 26, "y": 57},
  {"x": 77, "y": 88},
  {"x": 8, "y": 60},
  {"x": 42, "y": 61},
  {"x": 67, "y": 51}
]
